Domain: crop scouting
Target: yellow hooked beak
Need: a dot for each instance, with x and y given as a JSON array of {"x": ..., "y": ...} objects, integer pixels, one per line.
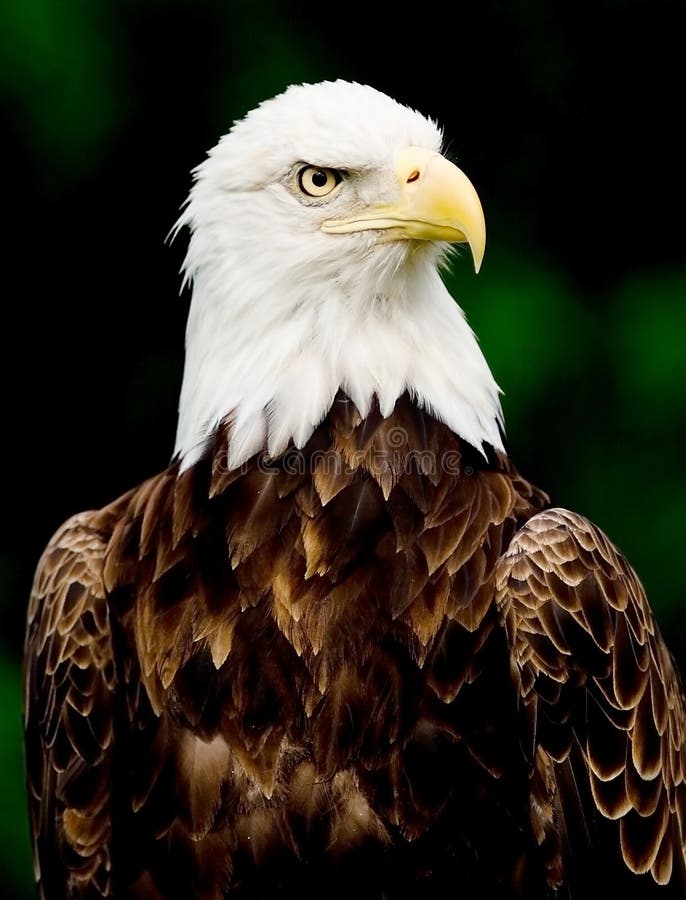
[{"x": 437, "y": 202}]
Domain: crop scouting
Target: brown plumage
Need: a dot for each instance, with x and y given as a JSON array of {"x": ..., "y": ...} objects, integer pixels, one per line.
[{"x": 380, "y": 667}]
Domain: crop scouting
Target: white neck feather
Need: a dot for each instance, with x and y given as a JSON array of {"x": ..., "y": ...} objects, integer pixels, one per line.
[{"x": 272, "y": 358}]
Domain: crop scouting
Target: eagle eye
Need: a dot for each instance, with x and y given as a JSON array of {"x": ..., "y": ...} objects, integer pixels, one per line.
[{"x": 316, "y": 181}]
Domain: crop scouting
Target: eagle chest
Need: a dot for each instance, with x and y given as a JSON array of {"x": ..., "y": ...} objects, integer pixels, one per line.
[{"x": 322, "y": 664}]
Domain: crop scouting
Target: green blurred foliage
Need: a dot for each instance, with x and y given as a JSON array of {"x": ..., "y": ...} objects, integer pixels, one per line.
[
  {"x": 593, "y": 374},
  {"x": 58, "y": 64},
  {"x": 643, "y": 328},
  {"x": 15, "y": 858},
  {"x": 526, "y": 318},
  {"x": 618, "y": 366}
]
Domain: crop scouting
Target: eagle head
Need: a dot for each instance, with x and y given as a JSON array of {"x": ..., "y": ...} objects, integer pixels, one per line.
[{"x": 317, "y": 227}]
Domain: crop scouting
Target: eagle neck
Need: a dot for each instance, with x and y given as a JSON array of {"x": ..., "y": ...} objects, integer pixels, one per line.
[{"x": 273, "y": 369}]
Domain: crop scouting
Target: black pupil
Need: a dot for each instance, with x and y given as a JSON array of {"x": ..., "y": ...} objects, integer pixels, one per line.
[{"x": 320, "y": 179}]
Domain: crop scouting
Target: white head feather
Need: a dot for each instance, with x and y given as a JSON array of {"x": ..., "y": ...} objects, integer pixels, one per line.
[{"x": 284, "y": 315}]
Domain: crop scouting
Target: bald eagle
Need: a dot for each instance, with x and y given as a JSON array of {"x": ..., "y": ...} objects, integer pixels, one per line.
[{"x": 340, "y": 647}]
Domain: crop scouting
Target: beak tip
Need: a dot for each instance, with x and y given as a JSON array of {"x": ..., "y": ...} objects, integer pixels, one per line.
[{"x": 478, "y": 257}]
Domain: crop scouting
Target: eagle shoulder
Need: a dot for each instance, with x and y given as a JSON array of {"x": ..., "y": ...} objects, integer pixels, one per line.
[
  {"x": 69, "y": 680},
  {"x": 600, "y": 684}
]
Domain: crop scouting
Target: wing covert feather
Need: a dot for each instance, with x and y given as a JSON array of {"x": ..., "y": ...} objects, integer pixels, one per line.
[
  {"x": 594, "y": 666},
  {"x": 69, "y": 679}
]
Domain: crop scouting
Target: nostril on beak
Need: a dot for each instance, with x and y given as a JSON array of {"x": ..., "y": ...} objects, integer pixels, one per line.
[{"x": 413, "y": 176}]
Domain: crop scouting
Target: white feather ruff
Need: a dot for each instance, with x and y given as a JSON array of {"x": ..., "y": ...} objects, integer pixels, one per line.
[{"x": 283, "y": 315}]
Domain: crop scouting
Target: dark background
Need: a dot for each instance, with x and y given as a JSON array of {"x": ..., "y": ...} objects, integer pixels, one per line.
[{"x": 566, "y": 117}]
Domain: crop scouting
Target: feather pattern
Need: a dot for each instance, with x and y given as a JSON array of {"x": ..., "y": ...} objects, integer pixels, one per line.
[
  {"x": 604, "y": 687},
  {"x": 244, "y": 682},
  {"x": 70, "y": 682}
]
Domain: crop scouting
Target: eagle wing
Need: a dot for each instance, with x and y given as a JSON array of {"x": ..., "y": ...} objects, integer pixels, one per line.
[
  {"x": 69, "y": 682},
  {"x": 601, "y": 692}
]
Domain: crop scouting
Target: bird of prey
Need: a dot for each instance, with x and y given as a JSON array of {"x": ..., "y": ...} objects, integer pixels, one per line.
[{"x": 340, "y": 647}]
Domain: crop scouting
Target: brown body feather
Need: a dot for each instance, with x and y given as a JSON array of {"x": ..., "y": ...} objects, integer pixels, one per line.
[{"x": 380, "y": 666}]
